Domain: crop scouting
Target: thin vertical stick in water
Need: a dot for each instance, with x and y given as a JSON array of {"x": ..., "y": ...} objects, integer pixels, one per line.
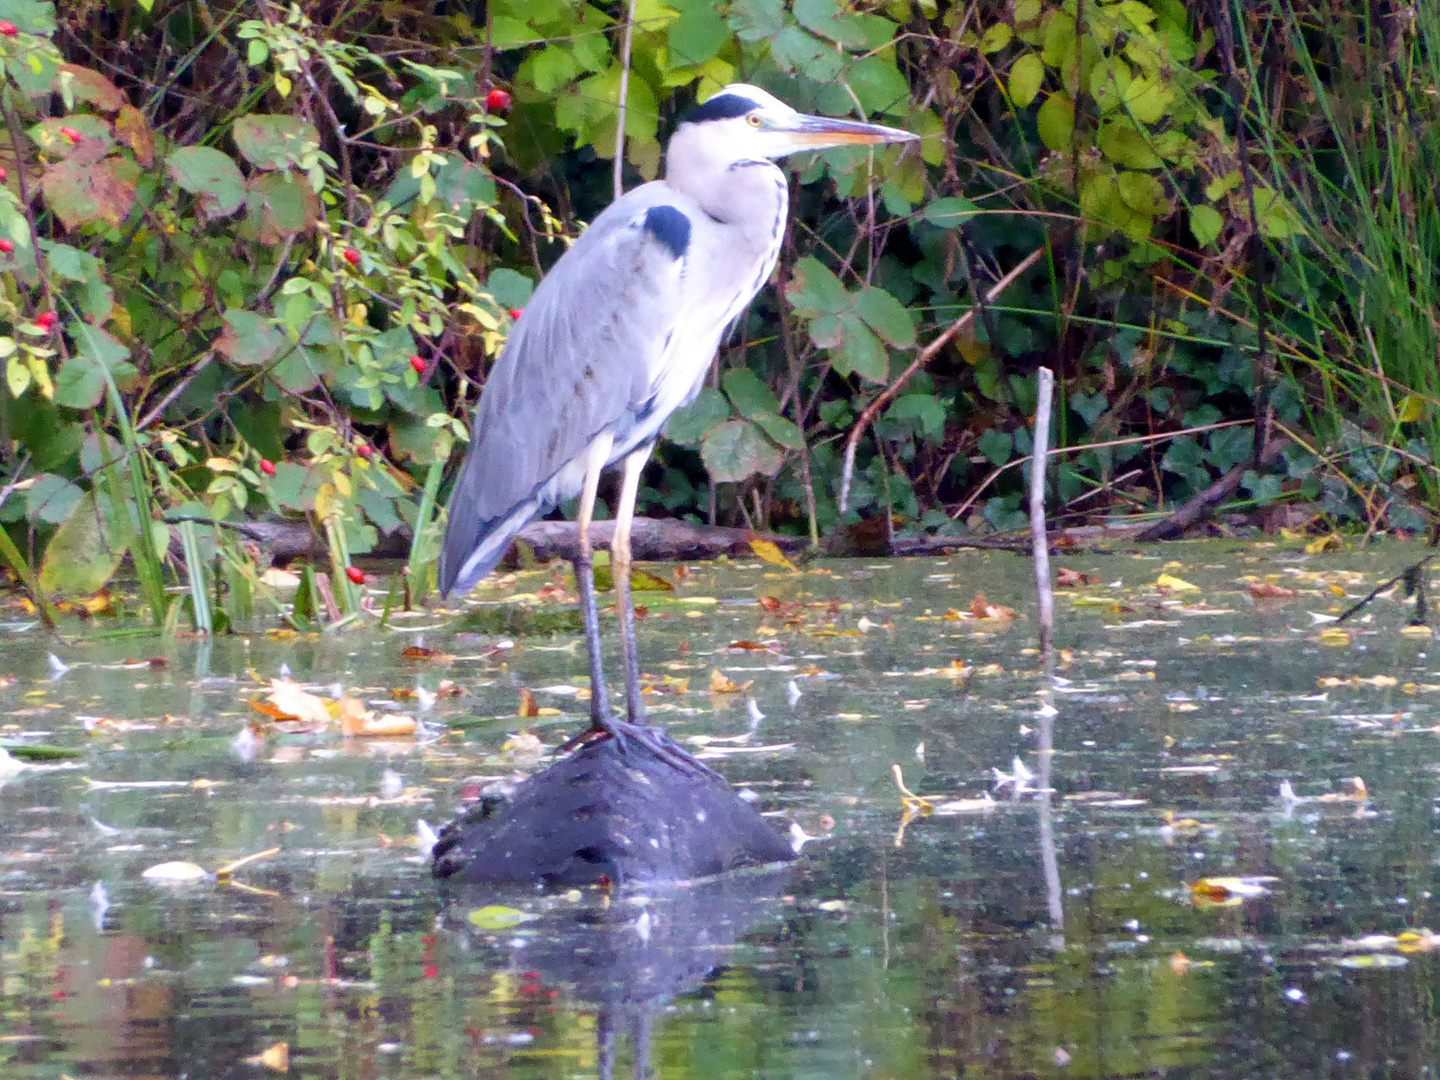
[
  {"x": 1037, "y": 510},
  {"x": 1049, "y": 856},
  {"x": 624, "y": 93}
]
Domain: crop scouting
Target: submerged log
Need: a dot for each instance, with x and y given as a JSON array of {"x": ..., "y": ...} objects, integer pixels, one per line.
[{"x": 611, "y": 812}]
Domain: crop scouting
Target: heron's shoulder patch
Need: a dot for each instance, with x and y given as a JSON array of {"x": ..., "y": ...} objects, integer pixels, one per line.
[{"x": 670, "y": 226}]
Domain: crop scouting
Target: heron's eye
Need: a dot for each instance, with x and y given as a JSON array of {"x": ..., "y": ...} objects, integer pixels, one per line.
[{"x": 754, "y": 119}]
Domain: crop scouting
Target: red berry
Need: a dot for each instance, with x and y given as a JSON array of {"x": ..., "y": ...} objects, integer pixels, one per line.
[
  {"x": 351, "y": 256},
  {"x": 267, "y": 466},
  {"x": 46, "y": 320},
  {"x": 364, "y": 449},
  {"x": 497, "y": 100},
  {"x": 4, "y": 173},
  {"x": 8, "y": 28},
  {"x": 418, "y": 363},
  {"x": 515, "y": 312},
  {"x": 7, "y": 246},
  {"x": 73, "y": 134},
  {"x": 355, "y": 574}
]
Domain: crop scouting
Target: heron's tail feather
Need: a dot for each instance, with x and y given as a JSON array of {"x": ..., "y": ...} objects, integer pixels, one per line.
[{"x": 469, "y": 554}]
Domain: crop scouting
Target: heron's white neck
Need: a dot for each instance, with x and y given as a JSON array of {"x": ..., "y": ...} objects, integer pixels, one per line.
[{"x": 744, "y": 191}]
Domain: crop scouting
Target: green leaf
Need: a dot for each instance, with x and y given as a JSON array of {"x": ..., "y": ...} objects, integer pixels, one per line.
[
  {"x": 689, "y": 424},
  {"x": 281, "y": 205},
  {"x": 860, "y": 351},
  {"x": 757, "y": 20},
  {"x": 510, "y": 288},
  {"x": 813, "y": 290},
  {"x": 97, "y": 345},
  {"x": 213, "y": 176},
  {"x": 698, "y": 34},
  {"x": 796, "y": 50},
  {"x": 1140, "y": 191},
  {"x": 1206, "y": 223},
  {"x": 737, "y": 450},
  {"x": 1055, "y": 121},
  {"x": 748, "y": 392},
  {"x": 996, "y": 37},
  {"x": 51, "y": 499},
  {"x": 1122, "y": 144},
  {"x": 81, "y": 191},
  {"x": 84, "y": 553},
  {"x": 80, "y": 384},
  {"x": 996, "y": 445},
  {"x": 249, "y": 339},
  {"x": 950, "y": 212},
  {"x": 69, "y": 262},
  {"x": 886, "y": 316},
  {"x": 275, "y": 141},
  {"x": 854, "y": 31},
  {"x": 31, "y": 16},
  {"x": 925, "y": 411},
  {"x": 783, "y": 431},
  {"x": 1027, "y": 74}
]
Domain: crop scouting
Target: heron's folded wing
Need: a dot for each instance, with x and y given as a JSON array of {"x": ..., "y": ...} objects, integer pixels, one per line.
[{"x": 582, "y": 359}]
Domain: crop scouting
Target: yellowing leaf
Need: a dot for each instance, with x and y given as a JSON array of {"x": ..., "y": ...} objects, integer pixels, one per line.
[
  {"x": 1175, "y": 584},
  {"x": 498, "y": 917},
  {"x": 720, "y": 683},
  {"x": 275, "y": 1057},
  {"x": 1325, "y": 543},
  {"x": 288, "y": 701},
  {"x": 1334, "y": 636},
  {"x": 527, "y": 707},
  {"x": 771, "y": 553}
]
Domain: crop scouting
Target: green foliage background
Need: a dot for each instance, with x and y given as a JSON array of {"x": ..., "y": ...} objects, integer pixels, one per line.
[{"x": 282, "y": 243}]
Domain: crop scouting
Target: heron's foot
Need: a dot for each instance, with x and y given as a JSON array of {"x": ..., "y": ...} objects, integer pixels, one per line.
[{"x": 653, "y": 738}]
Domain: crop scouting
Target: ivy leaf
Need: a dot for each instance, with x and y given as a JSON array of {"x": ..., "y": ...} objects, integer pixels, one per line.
[
  {"x": 689, "y": 424},
  {"x": 213, "y": 176},
  {"x": 749, "y": 393},
  {"x": 737, "y": 450}
]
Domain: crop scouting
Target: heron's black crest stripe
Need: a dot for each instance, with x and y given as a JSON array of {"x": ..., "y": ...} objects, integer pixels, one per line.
[
  {"x": 671, "y": 227},
  {"x": 720, "y": 107}
]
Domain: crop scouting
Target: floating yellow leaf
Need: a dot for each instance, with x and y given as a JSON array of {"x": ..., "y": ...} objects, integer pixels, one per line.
[
  {"x": 771, "y": 553},
  {"x": 275, "y": 1057},
  {"x": 1228, "y": 891},
  {"x": 1333, "y": 635},
  {"x": 358, "y": 720},
  {"x": 291, "y": 702},
  {"x": 720, "y": 683},
  {"x": 1332, "y": 542},
  {"x": 498, "y": 917},
  {"x": 1175, "y": 584}
]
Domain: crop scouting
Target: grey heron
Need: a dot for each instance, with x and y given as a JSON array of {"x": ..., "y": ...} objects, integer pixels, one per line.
[{"x": 618, "y": 335}]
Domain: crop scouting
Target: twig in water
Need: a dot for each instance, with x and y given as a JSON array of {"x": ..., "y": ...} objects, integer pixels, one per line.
[{"x": 1040, "y": 549}]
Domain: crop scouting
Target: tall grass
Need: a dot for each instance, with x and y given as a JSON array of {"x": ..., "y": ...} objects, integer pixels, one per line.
[{"x": 1351, "y": 128}]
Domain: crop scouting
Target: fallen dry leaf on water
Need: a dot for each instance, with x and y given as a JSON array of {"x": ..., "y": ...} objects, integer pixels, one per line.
[
  {"x": 420, "y": 652},
  {"x": 1263, "y": 590},
  {"x": 720, "y": 683},
  {"x": 175, "y": 873},
  {"x": 523, "y": 744},
  {"x": 1333, "y": 542},
  {"x": 981, "y": 608},
  {"x": 1065, "y": 578},
  {"x": 288, "y": 701},
  {"x": 275, "y": 1057},
  {"x": 357, "y": 720},
  {"x": 1175, "y": 584},
  {"x": 1228, "y": 891},
  {"x": 1334, "y": 637},
  {"x": 771, "y": 553},
  {"x": 527, "y": 707}
]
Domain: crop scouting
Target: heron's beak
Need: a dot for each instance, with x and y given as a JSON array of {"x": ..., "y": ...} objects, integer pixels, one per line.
[{"x": 816, "y": 132}]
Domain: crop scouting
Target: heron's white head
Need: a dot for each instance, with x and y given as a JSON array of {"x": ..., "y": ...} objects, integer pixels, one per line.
[{"x": 743, "y": 122}]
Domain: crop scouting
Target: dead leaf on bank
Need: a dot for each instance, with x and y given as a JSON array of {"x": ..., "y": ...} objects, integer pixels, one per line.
[
  {"x": 1263, "y": 590},
  {"x": 1065, "y": 578},
  {"x": 771, "y": 553},
  {"x": 1333, "y": 542},
  {"x": 720, "y": 683}
]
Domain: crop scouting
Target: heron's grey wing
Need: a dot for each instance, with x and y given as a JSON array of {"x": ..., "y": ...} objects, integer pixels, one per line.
[{"x": 581, "y": 360}]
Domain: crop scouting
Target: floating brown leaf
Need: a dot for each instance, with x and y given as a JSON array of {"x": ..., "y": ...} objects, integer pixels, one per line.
[
  {"x": 420, "y": 652},
  {"x": 720, "y": 683},
  {"x": 288, "y": 701},
  {"x": 1263, "y": 590},
  {"x": 1065, "y": 578},
  {"x": 981, "y": 608},
  {"x": 527, "y": 707}
]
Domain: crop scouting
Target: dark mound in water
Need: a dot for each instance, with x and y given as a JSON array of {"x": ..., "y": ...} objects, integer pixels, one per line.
[{"x": 613, "y": 810}]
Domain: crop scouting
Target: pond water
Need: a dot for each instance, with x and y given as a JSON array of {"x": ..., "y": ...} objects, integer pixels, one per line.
[{"x": 1059, "y": 934}]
